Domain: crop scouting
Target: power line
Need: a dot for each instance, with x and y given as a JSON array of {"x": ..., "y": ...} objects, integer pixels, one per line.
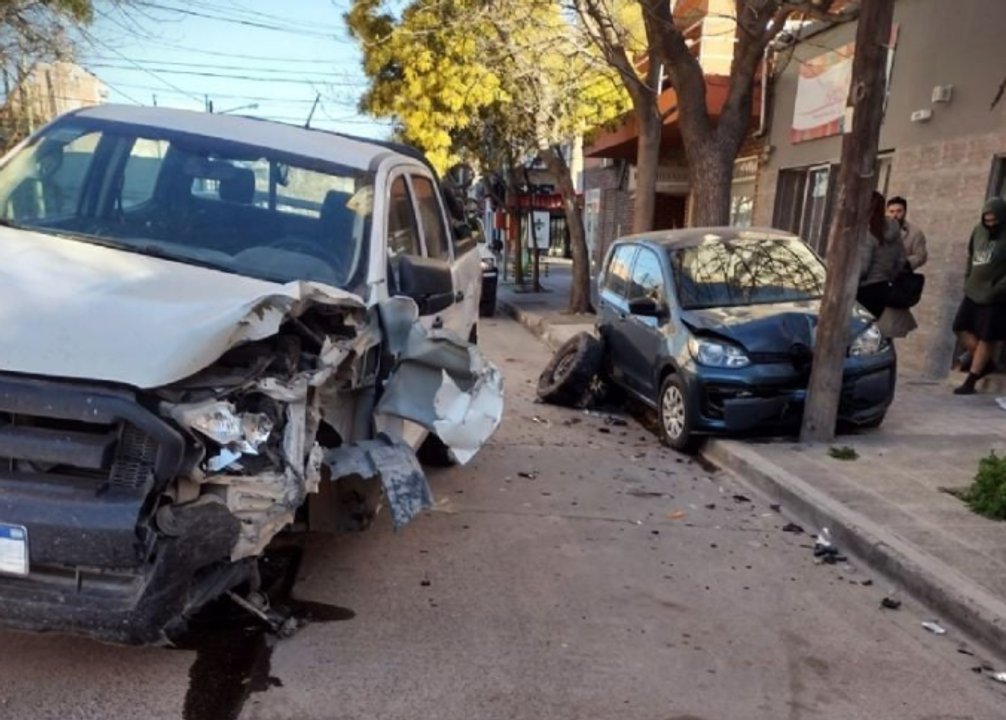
[
  {"x": 345, "y": 82},
  {"x": 94, "y": 39},
  {"x": 238, "y": 21},
  {"x": 182, "y": 64}
]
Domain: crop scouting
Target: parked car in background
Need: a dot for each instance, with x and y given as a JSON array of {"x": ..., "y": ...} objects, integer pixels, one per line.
[
  {"x": 208, "y": 319},
  {"x": 714, "y": 328},
  {"x": 490, "y": 270}
]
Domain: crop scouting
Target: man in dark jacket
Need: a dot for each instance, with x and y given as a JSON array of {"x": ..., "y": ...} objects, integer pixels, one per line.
[{"x": 981, "y": 318}]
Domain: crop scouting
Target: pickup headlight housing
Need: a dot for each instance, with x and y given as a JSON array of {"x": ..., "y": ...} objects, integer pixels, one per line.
[
  {"x": 714, "y": 353},
  {"x": 868, "y": 342}
]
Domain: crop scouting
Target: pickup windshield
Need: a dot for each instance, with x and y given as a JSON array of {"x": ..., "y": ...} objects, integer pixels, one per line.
[
  {"x": 746, "y": 271},
  {"x": 246, "y": 210}
]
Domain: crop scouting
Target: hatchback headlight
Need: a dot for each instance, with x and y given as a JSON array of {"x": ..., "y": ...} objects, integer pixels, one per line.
[
  {"x": 717, "y": 354},
  {"x": 868, "y": 342}
]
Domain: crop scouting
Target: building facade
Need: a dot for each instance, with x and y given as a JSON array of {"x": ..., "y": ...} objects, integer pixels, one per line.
[
  {"x": 609, "y": 170},
  {"x": 45, "y": 91},
  {"x": 941, "y": 146}
]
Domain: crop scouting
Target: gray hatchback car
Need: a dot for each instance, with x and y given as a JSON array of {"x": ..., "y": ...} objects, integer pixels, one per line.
[{"x": 714, "y": 328}]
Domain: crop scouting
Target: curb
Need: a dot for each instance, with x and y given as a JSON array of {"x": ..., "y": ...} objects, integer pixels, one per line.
[
  {"x": 946, "y": 591},
  {"x": 533, "y": 322}
]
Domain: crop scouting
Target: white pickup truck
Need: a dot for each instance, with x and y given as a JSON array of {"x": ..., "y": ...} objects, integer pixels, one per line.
[{"x": 216, "y": 328}]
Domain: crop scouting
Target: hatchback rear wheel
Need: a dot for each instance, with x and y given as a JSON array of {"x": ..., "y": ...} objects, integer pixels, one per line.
[{"x": 674, "y": 416}]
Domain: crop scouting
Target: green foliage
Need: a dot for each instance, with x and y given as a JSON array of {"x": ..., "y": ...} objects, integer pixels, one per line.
[
  {"x": 843, "y": 453},
  {"x": 987, "y": 494},
  {"x": 475, "y": 79}
]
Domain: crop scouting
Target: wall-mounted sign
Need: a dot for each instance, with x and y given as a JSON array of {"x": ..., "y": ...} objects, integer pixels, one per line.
[{"x": 821, "y": 94}]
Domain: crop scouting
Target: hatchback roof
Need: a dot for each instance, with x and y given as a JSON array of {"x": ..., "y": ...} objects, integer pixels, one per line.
[{"x": 690, "y": 237}]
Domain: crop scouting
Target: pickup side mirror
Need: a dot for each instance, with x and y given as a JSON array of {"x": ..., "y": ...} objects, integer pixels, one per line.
[
  {"x": 428, "y": 282},
  {"x": 648, "y": 307}
]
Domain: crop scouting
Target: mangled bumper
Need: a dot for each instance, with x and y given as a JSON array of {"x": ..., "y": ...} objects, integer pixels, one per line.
[
  {"x": 139, "y": 510},
  {"x": 733, "y": 404}
]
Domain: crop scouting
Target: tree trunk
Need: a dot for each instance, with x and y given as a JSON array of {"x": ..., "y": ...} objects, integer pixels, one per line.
[
  {"x": 647, "y": 159},
  {"x": 579, "y": 289},
  {"x": 856, "y": 178},
  {"x": 711, "y": 170}
]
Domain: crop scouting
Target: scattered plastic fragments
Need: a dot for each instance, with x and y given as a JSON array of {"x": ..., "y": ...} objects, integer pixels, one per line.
[
  {"x": 1001, "y": 402},
  {"x": 775, "y": 507},
  {"x": 889, "y": 603},
  {"x": 540, "y": 420},
  {"x": 825, "y": 551},
  {"x": 792, "y": 528},
  {"x": 936, "y": 629},
  {"x": 676, "y": 515},
  {"x": 528, "y": 475},
  {"x": 742, "y": 499},
  {"x": 999, "y": 677}
]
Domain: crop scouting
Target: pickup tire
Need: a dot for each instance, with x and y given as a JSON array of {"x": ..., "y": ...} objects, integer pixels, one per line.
[
  {"x": 433, "y": 453},
  {"x": 567, "y": 377}
]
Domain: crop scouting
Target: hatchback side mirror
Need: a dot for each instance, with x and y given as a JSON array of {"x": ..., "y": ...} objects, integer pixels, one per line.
[{"x": 647, "y": 307}]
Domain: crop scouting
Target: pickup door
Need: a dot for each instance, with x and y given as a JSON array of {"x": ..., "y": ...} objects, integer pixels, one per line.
[{"x": 419, "y": 241}]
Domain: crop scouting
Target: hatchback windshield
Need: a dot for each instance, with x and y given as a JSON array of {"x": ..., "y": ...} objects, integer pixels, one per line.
[
  {"x": 204, "y": 201},
  {"x": 746, "y": 271}
]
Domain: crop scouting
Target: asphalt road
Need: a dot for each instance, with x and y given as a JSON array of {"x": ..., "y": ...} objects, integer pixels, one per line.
[{"x": 575, "y": 569}]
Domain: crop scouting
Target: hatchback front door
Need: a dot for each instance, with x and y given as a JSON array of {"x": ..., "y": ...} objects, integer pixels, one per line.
[
  {"x": 614, "y": 309},
  {"x": 645, "y": 338}
]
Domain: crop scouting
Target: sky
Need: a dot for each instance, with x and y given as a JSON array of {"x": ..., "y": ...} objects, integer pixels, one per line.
[{"x": 275, "y": 54}]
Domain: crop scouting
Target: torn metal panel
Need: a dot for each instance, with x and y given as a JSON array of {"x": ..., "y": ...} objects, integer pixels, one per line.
[
  {"x": 467, "y": 419},
  {"x": 395, "y": 464},
  {"x": 440, "y": 382}
]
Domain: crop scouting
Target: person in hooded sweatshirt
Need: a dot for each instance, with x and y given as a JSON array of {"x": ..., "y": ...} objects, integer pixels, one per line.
[{"x": 981, "y": 318}]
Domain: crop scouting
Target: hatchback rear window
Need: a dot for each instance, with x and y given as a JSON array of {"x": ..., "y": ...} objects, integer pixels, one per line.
[{"x": 746, "y": 271}]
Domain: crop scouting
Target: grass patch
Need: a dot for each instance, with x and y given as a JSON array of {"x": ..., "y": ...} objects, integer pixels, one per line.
[
  {"x": 843, "y": 453},
  {"x": 987, "y": 494}
]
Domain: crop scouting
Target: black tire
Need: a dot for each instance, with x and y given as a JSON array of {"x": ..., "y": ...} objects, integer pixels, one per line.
[
  {"x": 433, "y": 453},
  {"x": 487, "y": 309},
  {"x": 567, "y": 377},
  {"x": 873, "y": 423},
  {"x": 473, "y": 336},
  {"x": 674, "y": 416}
]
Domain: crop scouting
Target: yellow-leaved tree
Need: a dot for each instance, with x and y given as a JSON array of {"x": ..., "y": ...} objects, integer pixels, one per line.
[{"x": 493, "y": 81}]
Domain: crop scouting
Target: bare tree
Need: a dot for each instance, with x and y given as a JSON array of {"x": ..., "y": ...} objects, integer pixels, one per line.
[
  {"x": 711, "y": 145},
  {"x": 616, "y": 44}
]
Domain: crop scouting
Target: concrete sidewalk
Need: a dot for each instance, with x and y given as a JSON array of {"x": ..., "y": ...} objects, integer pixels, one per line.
[
  {"x": 888, "y": 507},
  {"x": 544, "y": 313}
]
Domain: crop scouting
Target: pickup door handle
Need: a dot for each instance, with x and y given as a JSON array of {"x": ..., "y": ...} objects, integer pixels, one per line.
[{"x": 459, "y": 296}]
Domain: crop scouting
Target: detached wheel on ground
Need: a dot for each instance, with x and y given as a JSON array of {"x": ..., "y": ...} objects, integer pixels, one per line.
[
  {"x": 566, "y": 380},
  {"x": 674, "y": 416}
]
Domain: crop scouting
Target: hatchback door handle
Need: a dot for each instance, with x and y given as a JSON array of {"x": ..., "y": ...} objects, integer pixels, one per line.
[{"x": 459, "y": 296}]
